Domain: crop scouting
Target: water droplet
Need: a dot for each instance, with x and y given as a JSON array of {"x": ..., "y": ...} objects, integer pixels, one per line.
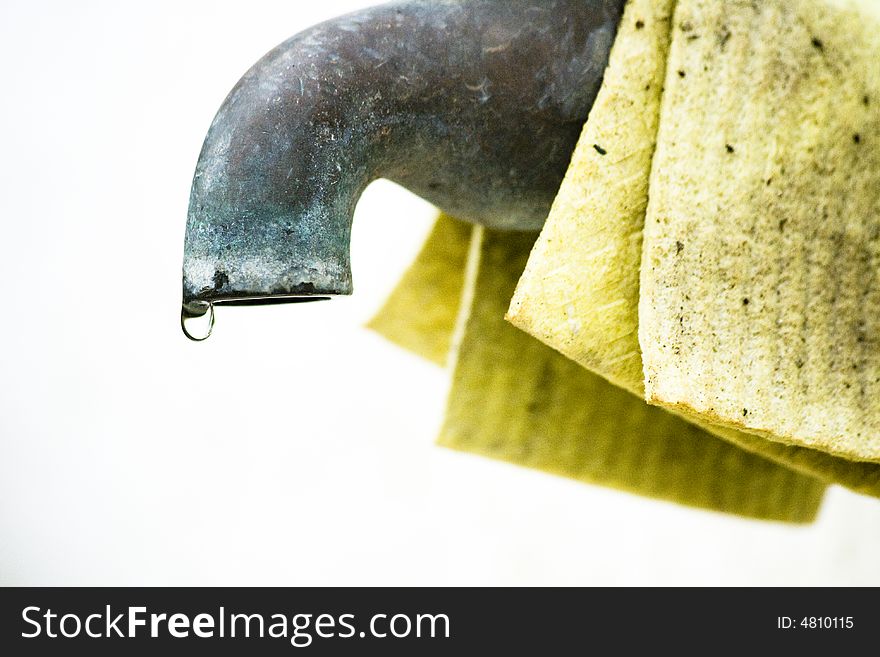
[{"x": 197, "y": 320}]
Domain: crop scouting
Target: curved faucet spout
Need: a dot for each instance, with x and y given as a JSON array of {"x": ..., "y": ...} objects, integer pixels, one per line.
[{"x": 476, "y": 106}]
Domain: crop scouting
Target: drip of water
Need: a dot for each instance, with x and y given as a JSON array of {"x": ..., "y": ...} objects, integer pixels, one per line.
[
  {"x": 197, "y": 326},
  {"x": 197, "y": 317}
]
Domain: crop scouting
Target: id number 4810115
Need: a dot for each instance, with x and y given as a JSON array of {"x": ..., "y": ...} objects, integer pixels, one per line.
[{"x": 815, "y": 623}]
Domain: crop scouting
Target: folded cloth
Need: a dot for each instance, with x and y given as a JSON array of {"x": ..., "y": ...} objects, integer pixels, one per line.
[
  {"x": 580, "y": 291},
  {"x": 517, "y": 400}
]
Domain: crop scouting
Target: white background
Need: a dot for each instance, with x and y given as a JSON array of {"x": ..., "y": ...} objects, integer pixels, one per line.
[{"x": 294, "y": 447}]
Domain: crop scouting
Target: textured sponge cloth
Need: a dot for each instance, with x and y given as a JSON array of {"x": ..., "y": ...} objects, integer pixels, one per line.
[
  {"x": 515, "y": 399},
  {"x": 580, "y": 290},
  {"x": 760, "y": 282}
]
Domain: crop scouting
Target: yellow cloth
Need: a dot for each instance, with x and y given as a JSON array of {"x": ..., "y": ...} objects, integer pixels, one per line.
[
  {"x": 580, "y": 290},
  {"x": 760, "y": 283},
  {"x": 517, "y": 400}
]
